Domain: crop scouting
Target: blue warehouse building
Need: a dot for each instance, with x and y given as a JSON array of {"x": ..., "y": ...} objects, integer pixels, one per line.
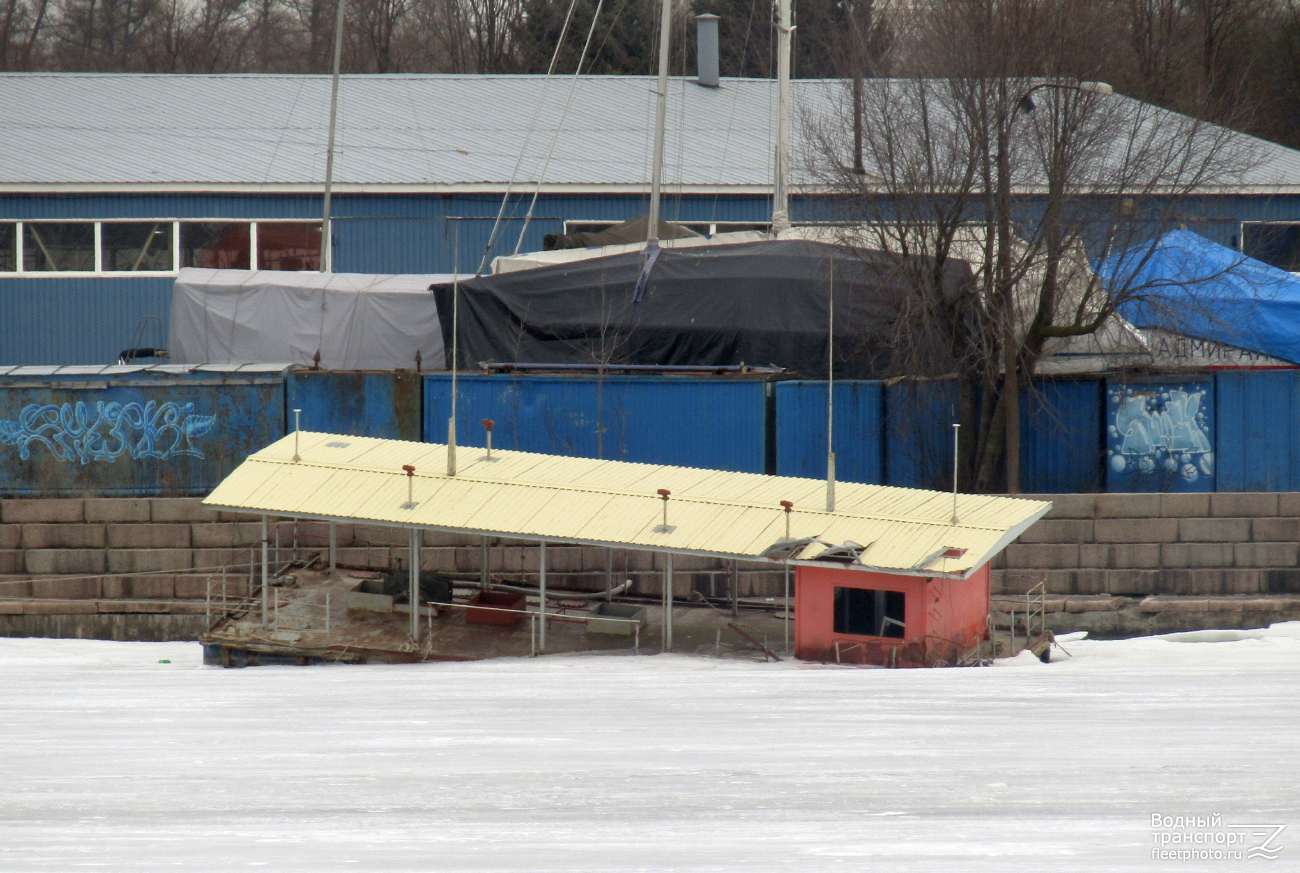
[{"x": 109, "y": 183}]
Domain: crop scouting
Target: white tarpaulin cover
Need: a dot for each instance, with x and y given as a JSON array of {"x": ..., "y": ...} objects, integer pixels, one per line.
[{"x": 356, "y": 321}]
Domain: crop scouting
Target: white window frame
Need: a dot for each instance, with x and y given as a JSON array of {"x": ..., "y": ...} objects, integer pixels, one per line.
[
  {"x": 98, "y": 224},
  {"x": 1241, "y": 234}
]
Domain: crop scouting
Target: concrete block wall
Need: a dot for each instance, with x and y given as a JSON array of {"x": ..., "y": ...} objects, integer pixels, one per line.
[
  {"x": 108, "y": 549},
  {"x": 1138, "y": 545},
  {"x": 159, "y": 549}
]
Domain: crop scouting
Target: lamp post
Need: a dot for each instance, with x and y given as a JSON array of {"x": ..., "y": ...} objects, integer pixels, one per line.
[{"x": 1002, "y": 265}]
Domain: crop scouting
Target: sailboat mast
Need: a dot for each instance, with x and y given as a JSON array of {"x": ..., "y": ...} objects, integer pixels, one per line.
[
  {"x": 661, "y": 114},
  {"x": 780, "y": 193}
]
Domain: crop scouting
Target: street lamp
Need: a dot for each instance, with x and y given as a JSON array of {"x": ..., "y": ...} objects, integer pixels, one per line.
[{"x": 1010, "y": 347}]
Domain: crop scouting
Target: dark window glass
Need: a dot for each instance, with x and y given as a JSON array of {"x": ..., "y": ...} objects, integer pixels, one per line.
[
  {"x": 868, "y": 613},
  {"x": 65, "y": 247},
  {"x": 1276, "y": 244},
  {"x": 288, "y": 245},
  {"x": 215, "y": 245},
  {"x": 132, "y": 246},
  {"x": 8, "y": 248}
]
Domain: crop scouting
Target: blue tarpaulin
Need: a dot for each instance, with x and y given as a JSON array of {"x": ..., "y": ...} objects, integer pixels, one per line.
[{"x": 1197, "y": 287}]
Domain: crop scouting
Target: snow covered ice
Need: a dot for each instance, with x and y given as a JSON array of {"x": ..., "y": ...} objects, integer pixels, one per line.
[{"x": 114, "y": 760}]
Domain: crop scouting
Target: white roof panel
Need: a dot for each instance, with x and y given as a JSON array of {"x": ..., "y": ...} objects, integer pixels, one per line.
[{"x": 206, "y": 132}]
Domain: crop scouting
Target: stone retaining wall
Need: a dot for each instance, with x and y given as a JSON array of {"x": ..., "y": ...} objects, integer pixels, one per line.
[
  {"x": 113, "y": 557},
  {"x": 1137, "y": 545}
]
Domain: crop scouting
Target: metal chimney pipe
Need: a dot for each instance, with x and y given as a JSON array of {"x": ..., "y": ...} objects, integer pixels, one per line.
[{"x": 706, "y": 49}]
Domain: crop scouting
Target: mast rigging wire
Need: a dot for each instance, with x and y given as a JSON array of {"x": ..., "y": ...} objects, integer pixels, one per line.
[{"x": 523, "y": 149}]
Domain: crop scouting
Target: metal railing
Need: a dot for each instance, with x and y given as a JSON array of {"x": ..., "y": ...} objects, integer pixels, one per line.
[{"x": 534, "y": 617}]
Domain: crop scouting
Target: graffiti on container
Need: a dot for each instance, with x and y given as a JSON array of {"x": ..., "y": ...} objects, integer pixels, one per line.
[
  {"x": 105, "y": 431},
  {"x": 1160, "y": 429}
]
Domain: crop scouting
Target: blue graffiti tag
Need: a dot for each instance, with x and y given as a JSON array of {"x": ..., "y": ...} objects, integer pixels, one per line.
[
  {"x": 1161, "y": 429},
  {"x": 73, "y": 432}
]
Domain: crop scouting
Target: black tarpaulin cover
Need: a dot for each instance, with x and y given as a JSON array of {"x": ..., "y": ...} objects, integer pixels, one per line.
[{"x": 759, "y": 303}]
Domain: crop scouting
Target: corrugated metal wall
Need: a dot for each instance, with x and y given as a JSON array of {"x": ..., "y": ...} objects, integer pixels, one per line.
[
  {"x": 713, "y": 423},
  {"x": 1258, "y": 430},
  {"x": 801, "y": 430},
  {"x": 918, "y": 433},
  {"x": 386, "y": 405},
  {"x": 57, "y": 321},
  {"x": 126, "y": 434},
  {"x": 1060, "y": 436},
  {"x": 86, "y": 321}
]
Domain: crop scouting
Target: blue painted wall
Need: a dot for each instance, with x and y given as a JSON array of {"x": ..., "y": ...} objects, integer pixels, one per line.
[
  {"x": 1258, "y": 430},
  {"x": 801, "y": 430},
  {"x": 918, "y": 433},
  {"x": 712, "y": 423},
  {"x": 385, "y": 405},
  {"x": 1060, "y": 436}
]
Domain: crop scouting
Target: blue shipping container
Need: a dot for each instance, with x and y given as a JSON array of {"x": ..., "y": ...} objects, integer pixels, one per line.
[
  {"x": 113, "y": 431},
  {"x": 1160, "y": 434},
  {"x": 386, "y": 404},
  {"x": 691, "y": 422},
  {"x": 1258, "y": 430},
  {"x": 1060, "y": 436},
  {"x": 801, "y": 430}
]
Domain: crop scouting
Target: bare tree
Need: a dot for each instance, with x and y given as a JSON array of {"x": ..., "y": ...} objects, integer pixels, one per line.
[{"x": 1025, "y": 176}]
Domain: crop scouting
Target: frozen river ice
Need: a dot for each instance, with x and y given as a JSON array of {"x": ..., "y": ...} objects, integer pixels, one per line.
[{"x": 114, "y": 760}]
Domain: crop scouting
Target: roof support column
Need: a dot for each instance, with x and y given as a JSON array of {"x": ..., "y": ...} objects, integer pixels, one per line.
[
  {"x": 266, "y": 563},
  {"x": 541, "y": 600},
  {"x": 413, "y": 562},
  {"x": 334, "y": 547},
  {"x": 668, "y": 602}
]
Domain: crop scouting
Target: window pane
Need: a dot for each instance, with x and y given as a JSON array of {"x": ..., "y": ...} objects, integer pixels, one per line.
[
  {"x": 215, "y": 245},
  {"x": 869, "y": 613},
  {"x": 128, "y": 246},
  {"x": 8, "y": 248},
  {"x": 1276, "y": 244},
  {"x": 59, "y": 246},
  {"x": 288, "y": 245}
]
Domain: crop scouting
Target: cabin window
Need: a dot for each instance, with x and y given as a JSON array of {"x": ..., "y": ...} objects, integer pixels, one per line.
[
  {"x": 1273, "y": 242},
  {"x": 868, "y": 613},
  {"x": 216, "y": 245},
  {"x": 135, "y": 246},
  {"x": 57, "y": 246},
  {"x": 8, "y": 248},
  {"x": 288, "y": 245}
]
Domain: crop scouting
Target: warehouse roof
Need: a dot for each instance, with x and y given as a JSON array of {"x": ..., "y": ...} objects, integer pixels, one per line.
[
  {"x": 146, "y": 132},
  {"x": 616, "y": 503}
]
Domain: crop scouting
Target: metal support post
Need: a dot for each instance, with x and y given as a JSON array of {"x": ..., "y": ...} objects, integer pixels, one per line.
[
  {"x": 414, "y": 564},
  {"x": 334, "y": 547},
  {"x": 266, "y": 569},
  {"x": 207, "y": 604},
  {"x": 327, "y": 617},
  {"x": 787, "y": 607},
  {"x": 609, "y": 575},
  {"x": 735, "y": 589},
  {"x": 484, "y": 578},
  {"x": 668, "y": 602},
  {"x": 541, "y": 602}
]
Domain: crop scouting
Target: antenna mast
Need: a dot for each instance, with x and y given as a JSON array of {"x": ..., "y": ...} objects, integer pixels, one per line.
[
  {"x": 661, "y": 113},
  {"x": 780, "y": 194}
]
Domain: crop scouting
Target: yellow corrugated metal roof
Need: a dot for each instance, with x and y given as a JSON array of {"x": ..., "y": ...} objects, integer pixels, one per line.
[{"x": 532, "y": 496}]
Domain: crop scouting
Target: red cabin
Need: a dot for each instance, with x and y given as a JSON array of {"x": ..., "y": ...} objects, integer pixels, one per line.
[{"x": 862, "y": 617}]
